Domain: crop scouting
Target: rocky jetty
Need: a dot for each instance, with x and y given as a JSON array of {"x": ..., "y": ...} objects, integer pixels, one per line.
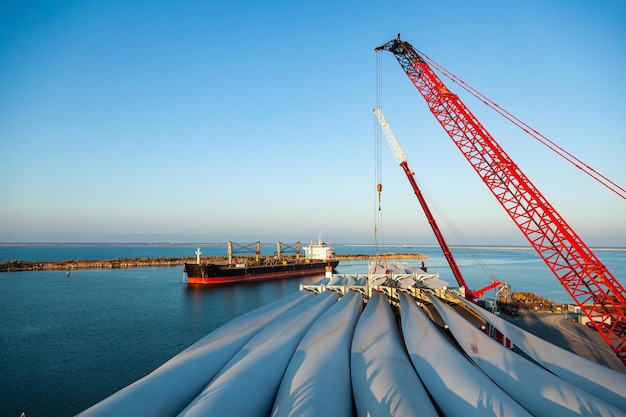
[
  {"x": 70, "y": 265},
  {"x": 120, "y": 263}
]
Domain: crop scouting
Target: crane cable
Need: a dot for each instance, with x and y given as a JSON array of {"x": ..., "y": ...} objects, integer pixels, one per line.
[
  {"x": 606, "y": 182},
  {"x": 379, "y": 242},
  {"x": 455, "y": 230}
]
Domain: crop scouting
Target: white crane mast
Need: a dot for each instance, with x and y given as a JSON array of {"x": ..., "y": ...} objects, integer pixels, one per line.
[{"x": 398, "y": 153}]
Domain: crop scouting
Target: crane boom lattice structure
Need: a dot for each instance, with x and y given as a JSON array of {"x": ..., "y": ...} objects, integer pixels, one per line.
[{"x": 594, "y": 289}]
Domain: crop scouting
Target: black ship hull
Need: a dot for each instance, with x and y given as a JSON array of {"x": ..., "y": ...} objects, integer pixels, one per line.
[{"x": 211, "y": 274}]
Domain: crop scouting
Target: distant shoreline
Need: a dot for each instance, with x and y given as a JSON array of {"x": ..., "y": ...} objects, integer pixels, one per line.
[{"x": 124, "y": 263}]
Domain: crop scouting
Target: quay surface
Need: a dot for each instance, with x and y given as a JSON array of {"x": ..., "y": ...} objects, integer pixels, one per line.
[{"x": 560, "y": 330}]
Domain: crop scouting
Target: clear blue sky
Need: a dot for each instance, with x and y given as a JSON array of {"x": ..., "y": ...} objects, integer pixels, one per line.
[{"x": 206, "y": 121}]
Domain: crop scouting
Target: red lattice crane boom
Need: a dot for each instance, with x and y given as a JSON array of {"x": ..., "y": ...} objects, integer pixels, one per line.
[{"x": 599, "y": 295}]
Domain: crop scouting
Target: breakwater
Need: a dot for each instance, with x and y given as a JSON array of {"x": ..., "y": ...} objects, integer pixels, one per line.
[{"x": 121, "y": 263}]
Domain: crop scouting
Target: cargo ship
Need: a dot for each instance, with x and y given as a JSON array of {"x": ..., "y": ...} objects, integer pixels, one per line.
[{"x": 318, "y": 259}]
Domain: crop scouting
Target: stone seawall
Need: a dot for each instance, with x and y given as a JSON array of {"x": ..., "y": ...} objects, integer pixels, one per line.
[
  {"x": 70, "y": 265},
  {"x": 16, "y": 266}
]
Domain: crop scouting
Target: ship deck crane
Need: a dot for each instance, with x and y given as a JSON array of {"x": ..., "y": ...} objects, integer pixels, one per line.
[
  {"x": 400, "y": 157},
  {"x": 590, "y": 284}
]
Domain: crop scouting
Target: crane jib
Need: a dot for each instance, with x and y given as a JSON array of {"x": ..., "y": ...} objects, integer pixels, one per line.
[{"x": 595, "y": 290}]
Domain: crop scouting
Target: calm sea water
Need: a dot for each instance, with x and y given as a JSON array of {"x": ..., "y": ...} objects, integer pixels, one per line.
[{"x": 69, "y": 342}]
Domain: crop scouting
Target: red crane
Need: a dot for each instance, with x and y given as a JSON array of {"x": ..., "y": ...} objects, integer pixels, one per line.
[
  {"x": 594, "y": 289},
  {"x": 400, "y": 157}
]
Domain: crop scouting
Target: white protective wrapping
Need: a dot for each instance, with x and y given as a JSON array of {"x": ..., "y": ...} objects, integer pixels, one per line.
[
  {"x": 456, "y": 385},
  {"x": 539, "y": 391},
  {"x": 171, "y": 387},
  {"x": 247, "y": 384},
  {"x": 317, "y": 380},
  {"x": 383, "y": 381},
  {"x": 602, "y": 382}
]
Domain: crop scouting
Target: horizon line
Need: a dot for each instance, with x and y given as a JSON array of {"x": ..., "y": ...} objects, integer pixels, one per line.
[{"x": 477, "y": 246}]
